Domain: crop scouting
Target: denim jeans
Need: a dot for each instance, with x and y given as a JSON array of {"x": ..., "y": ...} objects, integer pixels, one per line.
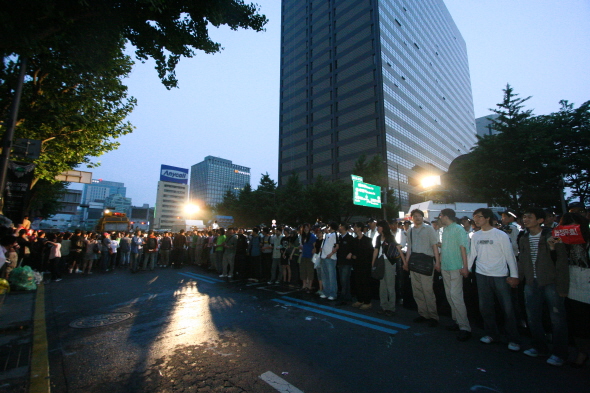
[
  {"x": 135, "y": 259},
  {"x": 150, "y": 260},
  {"x": 535, "y": 298},
  {"x": 329, "y": 277},
  {"x": 344, "y": 273},
  {"x": 487, "y": 287},
  {"x": 124, "y": 258}
]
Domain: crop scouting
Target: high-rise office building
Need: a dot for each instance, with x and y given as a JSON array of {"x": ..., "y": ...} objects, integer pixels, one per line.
[
  {"x": 98, "y": 190},
  {"x": 375, "y": 77},
  {"x": 484, "y": 125},
  {"x": 214, "y": 176},
  {"x": 171, "y": 198}
]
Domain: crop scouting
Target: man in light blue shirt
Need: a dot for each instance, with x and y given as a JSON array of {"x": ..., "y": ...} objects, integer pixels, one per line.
[{"x": 454, "y": 266}]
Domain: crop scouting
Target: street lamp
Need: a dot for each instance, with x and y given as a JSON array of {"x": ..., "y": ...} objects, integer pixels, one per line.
[
  {"x": 430, "y": 181},
  {"x": 191, "y": 209}
]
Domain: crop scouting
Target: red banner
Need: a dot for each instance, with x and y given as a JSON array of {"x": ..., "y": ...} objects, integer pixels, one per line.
[{"x": 569, "y": 234}]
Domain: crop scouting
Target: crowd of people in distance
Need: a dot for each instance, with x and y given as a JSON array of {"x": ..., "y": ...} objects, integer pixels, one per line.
[{"x": 517, "y": 265}]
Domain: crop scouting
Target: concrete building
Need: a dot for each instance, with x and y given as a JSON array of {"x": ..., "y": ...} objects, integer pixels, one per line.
[
  {"x": 483, "y": 125},
  {"x": 377, "y": 77},
  {"x": 118, "y": 203},
  {"x": 141, "y": 217},
  {"x": 211, "y": 178},
  {"x": 171, "y": 198},
  {"x": 99, "y": 190}
]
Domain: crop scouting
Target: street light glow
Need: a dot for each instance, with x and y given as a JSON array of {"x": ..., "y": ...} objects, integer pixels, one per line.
[
  {"x": 431, "y": 181},
  {"x": 191, "y": 209}
]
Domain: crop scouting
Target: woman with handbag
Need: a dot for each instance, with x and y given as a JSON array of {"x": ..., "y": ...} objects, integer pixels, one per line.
[{"x": 388, "y": 252}]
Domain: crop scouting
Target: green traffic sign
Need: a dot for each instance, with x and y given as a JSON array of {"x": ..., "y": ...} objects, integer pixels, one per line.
[{"x": 365, "y": 194}]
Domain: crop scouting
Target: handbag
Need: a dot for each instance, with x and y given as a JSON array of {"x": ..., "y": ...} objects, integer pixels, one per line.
[
  {"x": 421, "y": 263},
  {"x": 378, "y": 269},
  {"x": 316, "y": 260}
]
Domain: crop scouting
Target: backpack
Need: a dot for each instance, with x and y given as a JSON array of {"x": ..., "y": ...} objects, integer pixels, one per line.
[{"x": 152, "y": 243}]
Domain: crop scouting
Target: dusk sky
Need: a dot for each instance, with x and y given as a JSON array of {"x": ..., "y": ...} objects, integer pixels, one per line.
[{"x": 227, "y": 104}]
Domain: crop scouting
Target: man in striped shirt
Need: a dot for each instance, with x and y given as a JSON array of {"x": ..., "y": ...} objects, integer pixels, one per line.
[{"x": 546, "y": 284}]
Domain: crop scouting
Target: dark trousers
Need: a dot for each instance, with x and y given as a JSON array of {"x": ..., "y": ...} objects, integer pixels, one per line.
[
  {"x": 54, "y": 265},
  {"x": 489, "y": 287},
  {"x": 344, "y": 272},
  {"x": 363, "y": 282}
]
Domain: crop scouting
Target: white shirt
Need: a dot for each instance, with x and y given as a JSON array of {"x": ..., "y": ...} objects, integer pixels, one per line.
[
  {"x": 494, "y": 254},
  {"x": 328, "y": 246},
  {"x": 2, "y": 256}
]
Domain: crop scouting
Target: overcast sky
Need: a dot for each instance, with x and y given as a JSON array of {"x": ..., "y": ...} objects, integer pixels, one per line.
[{"x": 227, "y": 104}]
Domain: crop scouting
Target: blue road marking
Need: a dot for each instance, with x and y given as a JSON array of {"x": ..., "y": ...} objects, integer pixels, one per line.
[
  {"x": 205, "y": 277},
  {"x": 329, "y": 314},
  {"x": 368, "y": 318},
  {"x": 210, "y": 281}
]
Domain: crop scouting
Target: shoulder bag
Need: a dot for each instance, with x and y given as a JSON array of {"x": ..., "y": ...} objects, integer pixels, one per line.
[{"x": 419, "y": 262}]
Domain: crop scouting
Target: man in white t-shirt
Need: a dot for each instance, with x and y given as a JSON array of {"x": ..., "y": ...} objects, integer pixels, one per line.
[
  {"x": 328, "y": 263},
  {"x": 496, "y": 272}
]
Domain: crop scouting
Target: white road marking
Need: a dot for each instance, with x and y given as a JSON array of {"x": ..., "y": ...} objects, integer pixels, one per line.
[{"x": 279, "y": 383}]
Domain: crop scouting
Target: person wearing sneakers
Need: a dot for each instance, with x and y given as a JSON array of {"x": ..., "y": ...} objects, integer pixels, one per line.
[
  {"x": 546, "y": 283},
  {"x": 362, "y": 255},
  {"x": 385, "y": 240},
  {"x": 229, "y": 253},
  {"x": 496, "y": 272},
  {"x": 328, "y": 264},
  {"x": 453, "y": 259}
]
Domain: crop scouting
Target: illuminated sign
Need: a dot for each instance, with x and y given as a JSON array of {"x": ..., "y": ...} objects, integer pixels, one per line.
[{"x": 174, "y": 174}]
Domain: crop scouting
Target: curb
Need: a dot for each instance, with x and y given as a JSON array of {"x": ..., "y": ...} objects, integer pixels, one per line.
[{"x": 40, "y": 378}]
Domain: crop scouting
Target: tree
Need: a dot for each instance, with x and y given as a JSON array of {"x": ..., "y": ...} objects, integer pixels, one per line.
[
  {"x": 516, "y": 167},
  {"x": 81, "y": 30},
  {"x": 571, "y": 135},
  {"x": 291, "y": 202},
  {"x": 76, "y": 113}
]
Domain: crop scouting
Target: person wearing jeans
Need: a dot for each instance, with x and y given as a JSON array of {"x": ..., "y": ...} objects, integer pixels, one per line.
[
  {"x": 546, "y": 276},
  {"x": 496, "y": 272},
  {"x": 328, "y": 263}
]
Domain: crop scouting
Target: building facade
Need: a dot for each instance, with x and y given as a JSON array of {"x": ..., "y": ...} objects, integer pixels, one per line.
[
  {"x": 375, "y": 77},
  {"x": 171, "y": 198},
  {"x": 99, "y": 190},
  {"x": 484, "y": 125},
  {"x": 214, "y": 176}
]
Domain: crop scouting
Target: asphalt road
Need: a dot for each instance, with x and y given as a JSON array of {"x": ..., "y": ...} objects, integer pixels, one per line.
[{"x": 186, "y": 330}]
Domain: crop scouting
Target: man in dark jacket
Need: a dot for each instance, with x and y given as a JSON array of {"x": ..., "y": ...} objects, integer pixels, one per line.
[
  {"x": 179, "y": 244},
  {"x": 344, "y": 261},
  {"x": 546, "y": 282}
]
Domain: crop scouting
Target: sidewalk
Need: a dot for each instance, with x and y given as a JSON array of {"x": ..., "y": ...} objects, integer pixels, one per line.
[{"x": 23, "y": 342}]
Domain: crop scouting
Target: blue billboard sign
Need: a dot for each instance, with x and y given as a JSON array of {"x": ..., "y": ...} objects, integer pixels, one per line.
[{"x": 173, "y": 174}]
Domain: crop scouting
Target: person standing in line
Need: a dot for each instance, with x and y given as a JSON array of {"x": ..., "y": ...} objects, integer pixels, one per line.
[
  {"x": 229, "y": 254},
  {"x": 454, "y": 267},
  {"x": 384, "y": 241},
  {"x": 219, "y": 249},
  {"x": 422, "y": 239},
  {"x": 266, "y": 253},
  {"x": 496, "y": 272},
  {"x": 150, "y": 251},
  {"x": 200, "y": 242},
  {"x": 577, "y": 302},
  {"x": 362, "y": 256},
  {"x": 344, "y": 260},
  {"x": 125, "y": 249},
  {"x": 66, "y": 245},
  {"x": 546, "y": 278},
  {"x": 54, "y": 256},
  {"x": 275, "y": 270},
  {"x": 77, "y": 251},
  {"x": 165, "y": 249},
  {"x": 254, "y": 250},
  {"x": 136, "y": 251},
  {"x": 328, "y": 262},
  {"x": 105, "y": 251},
  {"x": 241, "y": 254},
  {"x": 179, "y": 244},
  {"x": 308, "y": 240}
]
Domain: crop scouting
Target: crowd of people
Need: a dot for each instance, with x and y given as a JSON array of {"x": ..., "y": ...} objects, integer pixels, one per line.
[{"x": 519, "y": 266}]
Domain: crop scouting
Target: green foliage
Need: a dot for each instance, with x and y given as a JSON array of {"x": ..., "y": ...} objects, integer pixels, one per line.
[
  {"x": 158, "y": 29},
  {"x": 44, "y": 199},
  {"x": 523, "y": 164},
  {"x": 77, "y": 113}
]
